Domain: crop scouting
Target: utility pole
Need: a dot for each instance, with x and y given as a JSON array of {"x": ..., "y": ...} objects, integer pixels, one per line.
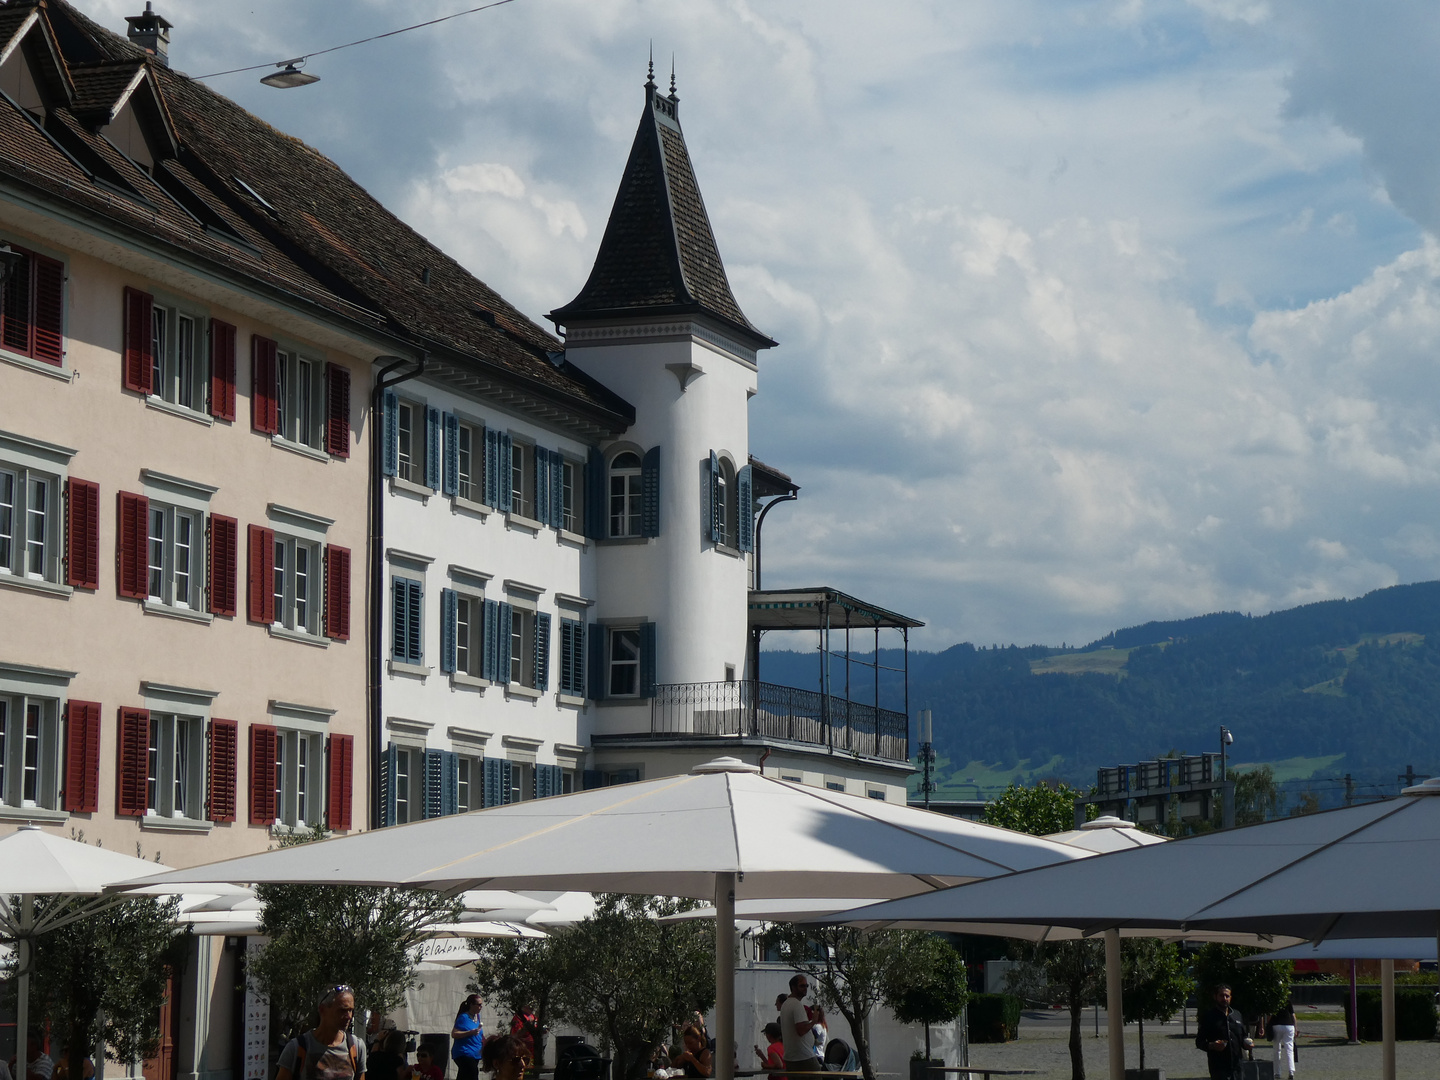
[
  {"x": 927, "y": 754},
  {"x": 1411, "y": 777},
  {"x": 1349, "y": 790}
]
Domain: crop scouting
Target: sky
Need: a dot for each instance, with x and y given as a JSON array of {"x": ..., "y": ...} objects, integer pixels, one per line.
[{"x": 1090, "y": 312}]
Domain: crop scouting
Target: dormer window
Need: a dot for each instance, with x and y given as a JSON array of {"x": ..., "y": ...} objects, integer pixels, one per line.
[
  {"x": 127, "y": 136},
  {"x": 18, "y": 81}
]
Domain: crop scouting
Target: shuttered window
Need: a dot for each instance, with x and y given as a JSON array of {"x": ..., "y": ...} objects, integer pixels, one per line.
[
  {"x": 32, "y": 319},
  {"x": 82, "y": 757},
  {"x": 337, "y": 593},
  {"x": 224, "y": 565},
  {"x": 222, "y": 370},
  {"x": 131, "y": 543},
  {"x": 540, "y": 667},
  {"x": 650, "y": 486},
  {"x": 264, "y": 756},
  {"x": 260, "y": 575},
  {"x": 407, "y": 607},
  {"x": 340, "y": 783},
  {"x": 548, "y": 779},
  {"x": 572, "y": 657},
  {"x": 137, "y": 363},
  {"x": 434, "y": 445},
  {"x": 82, "y": 534},
  {"x": 132, "y": 772},
  {"x": 264, "y": 403},
  {"x": 221, "y": 769},
  {"x": 337, "y": 410},
  {"x": 745, "y": 513}
]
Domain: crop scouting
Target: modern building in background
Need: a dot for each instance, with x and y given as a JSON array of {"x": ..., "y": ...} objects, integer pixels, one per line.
[{"x": 303, "y": 527}]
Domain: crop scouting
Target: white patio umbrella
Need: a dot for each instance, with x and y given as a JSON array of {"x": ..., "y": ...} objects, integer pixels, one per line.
[
  {"x": 1107, "y": 833},
  {"x": 721, "y": 832}
]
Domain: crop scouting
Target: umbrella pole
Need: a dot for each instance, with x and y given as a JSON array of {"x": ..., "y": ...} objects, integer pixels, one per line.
[
  {"x": 724, "y": 1061},
  {"x": 22, "y": 996},
  {"x": 1115, "y": 1006},
  {"x": 1387, "y": 1018}
]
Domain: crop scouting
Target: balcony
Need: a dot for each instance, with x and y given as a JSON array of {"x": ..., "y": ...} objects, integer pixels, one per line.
[{"x": 767, "y": 711}]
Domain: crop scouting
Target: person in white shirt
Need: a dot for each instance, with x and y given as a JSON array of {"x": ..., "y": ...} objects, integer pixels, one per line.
[
  {"x": 819, "y": 1032},
  {"x": 795, "y": 1029}
]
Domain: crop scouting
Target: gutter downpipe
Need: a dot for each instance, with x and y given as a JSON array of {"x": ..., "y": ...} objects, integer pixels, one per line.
[{"x": 376, "y": 557}]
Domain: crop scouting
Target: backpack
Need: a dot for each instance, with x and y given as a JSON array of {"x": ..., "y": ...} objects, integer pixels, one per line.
[{"x": 302, "y": 1070}]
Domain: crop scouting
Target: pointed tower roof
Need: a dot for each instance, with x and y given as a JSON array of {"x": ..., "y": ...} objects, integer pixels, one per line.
[{"x": 658, "y": 256}]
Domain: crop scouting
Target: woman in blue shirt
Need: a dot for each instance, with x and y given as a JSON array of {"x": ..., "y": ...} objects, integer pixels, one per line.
[{"x": 468, "y": 1038}]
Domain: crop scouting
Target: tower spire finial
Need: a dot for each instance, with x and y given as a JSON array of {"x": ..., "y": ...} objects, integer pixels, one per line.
[
  {"x": 674, "y": 97},
  {"x": 650, "y": 78}
]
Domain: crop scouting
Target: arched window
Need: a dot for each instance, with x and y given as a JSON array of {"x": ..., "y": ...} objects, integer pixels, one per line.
[
  {"x": 625, "y": 495},
  {"x": 727, "y": 515}
]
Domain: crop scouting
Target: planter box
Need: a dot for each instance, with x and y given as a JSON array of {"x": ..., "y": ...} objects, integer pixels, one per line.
[{"x": 920, "y": 1070}]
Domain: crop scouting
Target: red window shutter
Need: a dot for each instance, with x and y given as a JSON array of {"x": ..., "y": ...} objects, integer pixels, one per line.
[
  {"x": 263, "y": 738},
  {"x": 49, "y": 310},
  {"x": 337, "y": 593},
  {"x": 131, "y": 539},
  {"x": 82, "y": 534},
  {"x": 82, "y": 757},
  {"x": 220, "y": 769},
  {"x": 138, "y": 356},
  {"x": 134, "y": 749},
  {"x": 337, "y": 396},
  {"x": 16, "y": 317},
  {"x": 264, "y": 409},
  {"x": 222, "y": 370},
  {"x": 260, "y": 601},
  {"x": 224, "y": 564},
  {"x": 340, "y": 789}
]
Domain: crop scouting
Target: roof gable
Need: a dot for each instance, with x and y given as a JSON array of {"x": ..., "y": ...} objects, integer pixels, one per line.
[{"x": 658, "y": 255}]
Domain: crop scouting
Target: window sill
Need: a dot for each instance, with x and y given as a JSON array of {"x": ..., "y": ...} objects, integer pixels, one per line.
[
  {"x": 410, "y": 487},
  {"x": 159, "y": 404},
  {"x": 470, "y": 507},
  {"x": 36, "y": 814},
  {"x": 299, "y": 448},
  {"x": 570, "y": 699},
  {"x": 568, "y": 537},
  {"x": 286, "y": 634},
  {"x": 733, "y": 552},
  {"x": 516, "y": 690},
  {"x": 49, "y": 588},
  {"x": 64, "y": 374},
  {"x": 399, "y": 668},
  {"x": 157, "y": 823},
  {"x": 155, "y": 607},
  {"x": 520, "y": 521},
  {"x": 459, "y": 678}
]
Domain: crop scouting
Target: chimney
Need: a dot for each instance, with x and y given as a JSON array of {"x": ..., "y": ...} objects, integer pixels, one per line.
[{"x": 152, "y": 33}]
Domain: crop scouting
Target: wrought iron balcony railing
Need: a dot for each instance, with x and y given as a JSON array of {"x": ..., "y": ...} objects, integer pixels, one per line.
[{"x": 766, "y": 710}]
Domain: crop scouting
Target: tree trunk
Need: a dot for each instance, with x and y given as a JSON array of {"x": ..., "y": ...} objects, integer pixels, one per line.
[
  {"x": 1142, "y": 1044},
  {"x": 927, "y": 1044},
  {"x": 862, "y": 1046},
  {"x": 1077, "y": 1051}
]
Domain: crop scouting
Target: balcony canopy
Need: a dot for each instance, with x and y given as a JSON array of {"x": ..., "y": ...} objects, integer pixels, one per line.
[{"x": 820, "y": 609}]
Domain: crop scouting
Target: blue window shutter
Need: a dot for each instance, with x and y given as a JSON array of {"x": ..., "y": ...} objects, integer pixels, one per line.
[
  {"x": 449, "y": 614},
  {"x": 503, "y": 446},
  {"x": 647, "y": 660},
  {"x": 390, "y": 457},
  {"x": 717, "y": 534},
  {"x": 596, "y": 481},
  {"x": 745, "y": 527},
  {"x": 434, "y": 775},
  {"x": 542, "y": 651},
  {"x": 547, "y": 781},
  {"x": 387, "y": 784},
  {"x": 596, "y": 657},
  {"x": 504, "y": 614},
  {"x": 572, "y": 657},
  {"x": 432, "y": 447},
  {"x": 557, "y": 489},
  {"x": 451, "y": 485},
  {"x": 492, "y": 640},
  {"x": 449, "y": 782},
  {"x": 590, "y": 779},
  {"x": 492, "y": 468},
  {"x": 415, "y": 625},
  {"x": 650, "y": 493},
  {"x": 542, "y": 485},
  {"x": 495, "y": 781},
  {"x": 399, "y": 593}
]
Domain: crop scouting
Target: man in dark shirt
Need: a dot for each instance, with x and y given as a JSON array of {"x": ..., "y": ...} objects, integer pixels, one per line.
[{"x": 1221, "y": 1034}]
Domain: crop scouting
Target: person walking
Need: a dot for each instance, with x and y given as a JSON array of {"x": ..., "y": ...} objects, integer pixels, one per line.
[
  {"x": 795, "y": 1028},
  {"x": 469, "y": 1039},
  {"x": 1221, "y": 1034},
  {"x": 328, "y": 1051},
  {"x": 1284, "y": 1027}
]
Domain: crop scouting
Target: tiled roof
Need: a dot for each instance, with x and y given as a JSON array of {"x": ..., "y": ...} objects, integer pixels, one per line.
[
  {"x": 317, "y": 235},
  {"x": 658, "y": 255}
]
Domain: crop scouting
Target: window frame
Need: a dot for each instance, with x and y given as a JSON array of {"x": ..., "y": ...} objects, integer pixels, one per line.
[
  {"x": 167, "y": 374},
  {"x": 29, "y": 357},
  {"x": 162, "y": 578},
  {"x": 297, "y": 402},
  {"x": 631, "y": 496},
  {"x": 613, "y": 662},
  {"x": 288, "y": 580},
  {"x": 166, "y": 775},
  {"x": 409, "y": 466},
  {"x": 470, "y": 613},
  {"x": 470, "y": 481},
  {"x": 300, "y": 755},
  {"x": 572, "y": 488},
  {"x": 24, "y": 459},
  {"x": 522, "y": 478},
  {"x": 15, "y": 709}
]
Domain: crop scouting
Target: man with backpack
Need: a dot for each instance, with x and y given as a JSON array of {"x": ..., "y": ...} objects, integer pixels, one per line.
[{"x": 329, "y": 1051}]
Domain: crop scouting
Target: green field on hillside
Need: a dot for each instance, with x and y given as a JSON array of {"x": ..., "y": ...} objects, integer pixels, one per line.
[
  {"x": 1295, "y": 768},
  {"x": 1104, "y": 661}
]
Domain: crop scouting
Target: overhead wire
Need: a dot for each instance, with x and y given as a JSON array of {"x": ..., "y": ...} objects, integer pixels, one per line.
[{"x": 350, "y": 44}]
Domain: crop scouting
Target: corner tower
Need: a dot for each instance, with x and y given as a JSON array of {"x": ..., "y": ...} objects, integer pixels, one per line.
[{"x": 657, "y": 323}]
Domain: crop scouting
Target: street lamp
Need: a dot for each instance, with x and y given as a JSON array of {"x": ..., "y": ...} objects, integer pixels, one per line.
[{"x": 1226, "y": 738}]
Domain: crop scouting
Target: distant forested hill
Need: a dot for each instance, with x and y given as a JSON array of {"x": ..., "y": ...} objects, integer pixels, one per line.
[{"x": 1355, "y": 678}]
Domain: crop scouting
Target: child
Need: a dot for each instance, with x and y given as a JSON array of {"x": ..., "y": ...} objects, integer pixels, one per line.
[{"x": 425, "y": 1067}]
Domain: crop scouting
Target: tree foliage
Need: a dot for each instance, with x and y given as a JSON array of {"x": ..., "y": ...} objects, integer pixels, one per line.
[
  {"x": 1256, "y": 796},
  {"x": 514, "y": 972},
  {"x": 1255, "y": 988},
  {"x": 1154, "y": 983},
  {"x": 1038, "y": 810},
  {"x": 1072, "y": 972},
  {"x": 926, "y": 983},
  {"x": 632, "y": 980},
  {"x": 106, "y": 975},
  {"x": 325, "y": 935}
]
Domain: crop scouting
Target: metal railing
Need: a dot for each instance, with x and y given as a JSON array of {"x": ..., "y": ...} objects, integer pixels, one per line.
[{"x": 766, "y": 710}]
